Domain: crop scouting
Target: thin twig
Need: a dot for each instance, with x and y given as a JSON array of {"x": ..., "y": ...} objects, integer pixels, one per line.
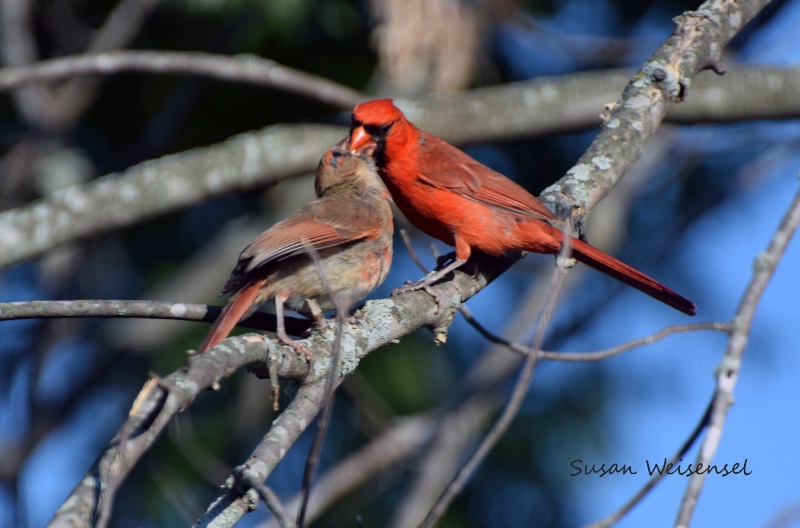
[
  {"x": 342, "y": 307},
  {"x": 514, "y": 402},
  {"x": 597, "y": 355},
  {"x": 728, "y": 370},
  {"x": 412, "y": 252},
  {"x": 635, "y": 343},
  {"x": 249, "y": 479}
]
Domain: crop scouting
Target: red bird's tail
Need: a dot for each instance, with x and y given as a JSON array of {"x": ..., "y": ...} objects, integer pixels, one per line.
[
  {"x": 612, "y": 267},
  {"x": 233, "y": 312}
]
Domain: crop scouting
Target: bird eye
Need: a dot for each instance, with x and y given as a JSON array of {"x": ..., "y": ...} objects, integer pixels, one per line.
[{"x": 378, "y": 130}]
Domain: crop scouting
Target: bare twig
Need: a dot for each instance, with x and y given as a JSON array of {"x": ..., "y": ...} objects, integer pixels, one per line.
[
  {"x": 727, "y": 373},
  {"x": 342, "y": 307},
  {"x": 267, "y": 495},
  {"x": 241, "y": 68},
  {"x": 597, "y": 355},
  {"x": 412, "y": 252},
  {"x": 634, "y": 343}
]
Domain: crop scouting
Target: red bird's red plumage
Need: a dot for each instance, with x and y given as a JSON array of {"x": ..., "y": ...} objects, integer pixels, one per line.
[{"x": 454, "y": 198}]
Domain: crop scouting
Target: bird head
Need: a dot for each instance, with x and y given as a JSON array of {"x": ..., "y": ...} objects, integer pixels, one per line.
[{"x": 372, "y": 121}]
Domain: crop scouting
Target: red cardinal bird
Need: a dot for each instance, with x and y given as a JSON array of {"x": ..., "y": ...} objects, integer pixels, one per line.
[
  {"x": 349, "y": 226},
  {"x": 452, "y": 197}
]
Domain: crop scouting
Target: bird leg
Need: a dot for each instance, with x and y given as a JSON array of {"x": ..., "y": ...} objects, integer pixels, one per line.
[
  {"x": 281, "y": 331},
  {"x": 317, "y": 316}
]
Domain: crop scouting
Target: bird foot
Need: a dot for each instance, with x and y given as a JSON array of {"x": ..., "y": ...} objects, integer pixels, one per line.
[
  {"x": 425, "y": 286},
  {"x": 298, "y": 347}
]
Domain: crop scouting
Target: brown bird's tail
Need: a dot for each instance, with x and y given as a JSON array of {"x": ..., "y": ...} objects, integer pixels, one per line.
[
  {"x": 612, "y": 267},
  {"x": 237, "y": 307}
]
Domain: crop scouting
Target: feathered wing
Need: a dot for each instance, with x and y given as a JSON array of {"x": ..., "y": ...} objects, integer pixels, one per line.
[
  {"x": 459, "y": 173},
  {"x": 320, "y": 225},
  {"x": 447, "y": 167}
]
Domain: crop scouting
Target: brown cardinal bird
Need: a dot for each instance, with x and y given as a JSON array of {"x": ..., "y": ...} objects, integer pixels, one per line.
[
  {"x": 452, "y": 197},
  {"x": 350, "y": 228}
]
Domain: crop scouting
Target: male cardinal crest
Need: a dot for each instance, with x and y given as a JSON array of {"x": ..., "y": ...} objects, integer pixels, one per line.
[
  {"x": 454, "y": 198},
  {"x": 349, "y": 227}
]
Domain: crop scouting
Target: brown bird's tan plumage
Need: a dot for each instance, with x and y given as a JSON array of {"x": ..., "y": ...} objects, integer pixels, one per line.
[{"x": 350, "y": 228}]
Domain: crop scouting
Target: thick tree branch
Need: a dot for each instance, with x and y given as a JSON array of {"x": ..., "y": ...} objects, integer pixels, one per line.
[
  {"x": 154, "y": 188},
  {"x": 155, "y": 406},
  {"x": 377, "y": 324},
  {"x": 696, "y": 44},
  {"x": 645, "y": 102}
]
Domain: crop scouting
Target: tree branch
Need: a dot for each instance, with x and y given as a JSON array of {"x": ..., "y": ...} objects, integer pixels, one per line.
[
  {"x": 250, "y": 69},
  {"x": 377, "y": 324},
  {"x": 256, "y": 159},
  {"x": 158, "y": 401},
  {"x": 696, "y": 44},
  {"x": 153, "y": 188}
]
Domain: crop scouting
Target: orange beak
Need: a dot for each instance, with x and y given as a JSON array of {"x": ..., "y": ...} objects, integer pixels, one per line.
[{"x": 358, "y": 138}]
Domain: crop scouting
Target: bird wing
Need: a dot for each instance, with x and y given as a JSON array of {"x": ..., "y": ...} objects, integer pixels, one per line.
[
  {"x": 319, "y": 225},
  {"x": 447, "y": 167}
]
